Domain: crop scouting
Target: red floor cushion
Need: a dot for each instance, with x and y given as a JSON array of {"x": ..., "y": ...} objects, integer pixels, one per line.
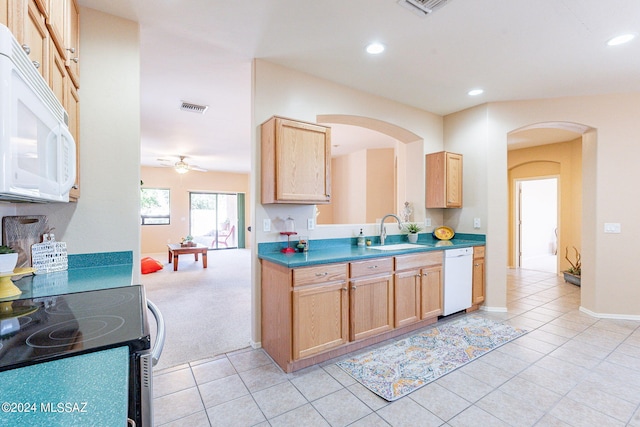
[{"x": 150, "y": 265}]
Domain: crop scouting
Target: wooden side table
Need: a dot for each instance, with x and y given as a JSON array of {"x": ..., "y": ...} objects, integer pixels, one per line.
[{"x": 175, "y": 250}]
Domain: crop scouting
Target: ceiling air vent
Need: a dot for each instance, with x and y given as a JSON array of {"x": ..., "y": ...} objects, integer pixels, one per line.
[
  {"x": 194, "y": 108},
  {"x": 422, "y": 7}
]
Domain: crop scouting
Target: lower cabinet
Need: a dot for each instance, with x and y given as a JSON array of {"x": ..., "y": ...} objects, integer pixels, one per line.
[
  {"x": 418, "y": 281},
  {"x": 311, "y": 314},
  {"x": 371, "y": 298},
  {"x": 477, "y": 295},
  {"x": 320, "y": 319}
]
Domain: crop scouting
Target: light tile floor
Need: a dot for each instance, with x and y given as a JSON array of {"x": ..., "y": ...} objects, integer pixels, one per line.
[{"x": 569, "y": 370}]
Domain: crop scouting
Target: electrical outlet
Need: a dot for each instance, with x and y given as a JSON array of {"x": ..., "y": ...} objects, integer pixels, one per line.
[
  {"x": 476, "y": 222},
  {"x": 427, "y": 222},
  {"x": 266, "y": 225},
  {"x": 311, "y": 224}
]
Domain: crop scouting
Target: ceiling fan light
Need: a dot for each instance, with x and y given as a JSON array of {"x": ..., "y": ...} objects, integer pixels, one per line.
[{"x": 182, "y": 167}]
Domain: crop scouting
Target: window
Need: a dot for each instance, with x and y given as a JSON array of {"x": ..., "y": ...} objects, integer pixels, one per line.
[{"x": 155, "y": 208}]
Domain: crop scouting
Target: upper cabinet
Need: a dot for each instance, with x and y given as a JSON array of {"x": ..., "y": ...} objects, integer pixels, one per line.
[
  {"x": 63, "y": 20},
  {"x": 444, "y": 180},
  {"x": 296, "y": 162}
]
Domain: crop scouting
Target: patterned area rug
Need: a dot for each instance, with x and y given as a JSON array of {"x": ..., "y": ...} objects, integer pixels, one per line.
[{"x": 397, "y": 369}]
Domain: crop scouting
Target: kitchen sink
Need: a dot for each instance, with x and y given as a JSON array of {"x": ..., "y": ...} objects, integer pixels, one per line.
[{"x": 396, "y": 247}]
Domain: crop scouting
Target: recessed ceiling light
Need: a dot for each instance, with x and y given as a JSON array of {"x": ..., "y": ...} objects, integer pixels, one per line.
[
  {"x": 475, "y": 92},
  {"x": 621, "y": 39},
  {"x": 375, "y": 48}
]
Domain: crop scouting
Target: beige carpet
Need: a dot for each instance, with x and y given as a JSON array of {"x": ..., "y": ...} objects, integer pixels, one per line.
[{"x": 207, "y": 312}]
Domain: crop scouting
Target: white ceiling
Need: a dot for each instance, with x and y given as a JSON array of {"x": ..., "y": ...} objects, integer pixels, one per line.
[{"x": 200, "y": 51}]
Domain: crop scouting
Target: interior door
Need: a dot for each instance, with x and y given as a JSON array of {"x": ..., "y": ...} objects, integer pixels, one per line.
[{"x": 538, "y": 224}]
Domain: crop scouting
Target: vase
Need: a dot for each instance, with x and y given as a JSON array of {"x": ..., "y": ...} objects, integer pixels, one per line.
[
  {"x": 413, "y": 237},
  {"x": 8, "y": 262}
]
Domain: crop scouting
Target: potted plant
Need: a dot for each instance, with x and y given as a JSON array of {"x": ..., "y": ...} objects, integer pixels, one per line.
[
  {"x": 572, "y": 275},
  {"x": 8, "y": 259},
  {"x": 187, "y": 241},
  {"x": 412, "y": 230}
]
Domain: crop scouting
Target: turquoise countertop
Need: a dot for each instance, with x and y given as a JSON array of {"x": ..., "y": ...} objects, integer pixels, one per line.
[
  {"x": 345, "y": 250},
  {"x": 86, "y": 272}
]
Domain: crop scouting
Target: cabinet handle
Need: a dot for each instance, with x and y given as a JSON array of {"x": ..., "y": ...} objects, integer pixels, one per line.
[
  {"x": 417, "y": 275},
  {"x": 425, "y": 274},
  {"x": 26, "y": 49},
  {"x": 36, "y": 64},
  {"x": 372, "y": 267},
  {"x": 353, "y": 288},
  {"x": 322, "y": 274},
  {"x": 345, "y": 289},
  {"x": 476, "y": 265},
  {"x": 75, "y": 59},
  {"x": 71, "y": 49},
  {"x": 75, "y": 186}
]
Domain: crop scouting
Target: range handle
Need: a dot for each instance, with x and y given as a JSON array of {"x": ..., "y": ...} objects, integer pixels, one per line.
[{"x": 156, "y": 351}]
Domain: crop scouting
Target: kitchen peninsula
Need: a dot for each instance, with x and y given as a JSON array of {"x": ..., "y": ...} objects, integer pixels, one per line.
[{"x": 338, "y": 297}]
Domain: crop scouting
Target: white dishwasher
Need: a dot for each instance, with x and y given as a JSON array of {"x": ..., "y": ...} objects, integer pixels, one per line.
[{"x": 458, "y": 274}]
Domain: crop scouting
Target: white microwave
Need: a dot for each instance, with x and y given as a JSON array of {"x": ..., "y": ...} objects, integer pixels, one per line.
[{"x": 37, "y": 152}]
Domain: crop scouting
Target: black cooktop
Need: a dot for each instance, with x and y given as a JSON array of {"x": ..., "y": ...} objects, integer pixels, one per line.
[{"x": 47, "y": 328}]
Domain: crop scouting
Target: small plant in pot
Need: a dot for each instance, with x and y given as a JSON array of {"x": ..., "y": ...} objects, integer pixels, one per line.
[
  {"x": 412, "y": 230},
  {"x": 8, "y": 259},
  {"x": 572, "y": 274}
]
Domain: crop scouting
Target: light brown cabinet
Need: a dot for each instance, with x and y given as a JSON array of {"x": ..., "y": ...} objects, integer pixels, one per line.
[
  {"x": 478, "y": 292},
  {"x": 63, "y": 19},
  {"x": 311, "y": 314},
  {"x": 296, "y": 162},
  {"x": 418, "y": 282},
  {"x": 72, "y": 105},
  {"x": 444, "y": 180},
  {"x": 320, "y": 309},
  {"x": 371, "y": 298}
]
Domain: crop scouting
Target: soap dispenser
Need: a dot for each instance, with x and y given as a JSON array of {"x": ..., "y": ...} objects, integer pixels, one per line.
[{"x": 361, "y": 240}]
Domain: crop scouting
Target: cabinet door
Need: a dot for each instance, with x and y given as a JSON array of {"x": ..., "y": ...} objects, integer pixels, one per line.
[
  {"x": 371, "y": 302},
  {"x": 34, "y": 36},
  {"x": 320, "y": 319},
  {"x": 454, "y": 180},
  {"x": 296, "y": 162},
  {"x": 444, "y": 180},
  {"x": 57, "y": 75},
  {"x": 72, "y": 37},
  {"x": 478, "y": 281},
  {"x": 72, "y": 106},
  {"x": 407, "y": 297},
  {"x": 431, "y": 291}
]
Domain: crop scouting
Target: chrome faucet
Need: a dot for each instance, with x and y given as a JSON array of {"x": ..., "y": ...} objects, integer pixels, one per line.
[{"x": 383, "y": 230}]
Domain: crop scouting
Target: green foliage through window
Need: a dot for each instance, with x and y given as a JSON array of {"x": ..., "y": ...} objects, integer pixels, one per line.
[{"x": 155, "y": 206}]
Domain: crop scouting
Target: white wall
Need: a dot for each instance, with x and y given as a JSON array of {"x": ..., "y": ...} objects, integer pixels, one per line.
[{"x": 106, "y": 217}]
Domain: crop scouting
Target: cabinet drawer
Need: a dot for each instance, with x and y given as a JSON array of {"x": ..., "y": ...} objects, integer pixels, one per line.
[
  {"x": 406, "y": 262},
  {"x": 478, "y": 251},
  {"x": 371, "y": 267},
  {"x": 319, "y": 274}
]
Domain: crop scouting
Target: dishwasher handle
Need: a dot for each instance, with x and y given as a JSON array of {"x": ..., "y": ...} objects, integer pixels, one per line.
[{"x": 158, "y": 345}]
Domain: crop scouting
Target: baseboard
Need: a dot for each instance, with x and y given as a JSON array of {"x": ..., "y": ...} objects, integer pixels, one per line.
[
  {"x": 493, "y": 309},
  {"x": 255, "y": 344},
  {"x": 609, "y": 315}
]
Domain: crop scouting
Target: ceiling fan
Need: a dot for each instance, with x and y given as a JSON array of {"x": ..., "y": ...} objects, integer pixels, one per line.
[{"x": 180, "y": 166}]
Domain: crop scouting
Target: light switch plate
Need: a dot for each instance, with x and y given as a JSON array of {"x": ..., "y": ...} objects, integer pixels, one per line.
[
  {"x": 266, "y": 224},
  {"x": 311, "y": 224},
  {"x": 476, "y": 223},
  {"x": 427, "y": 222},
  {"x": 612, "y": 227}
]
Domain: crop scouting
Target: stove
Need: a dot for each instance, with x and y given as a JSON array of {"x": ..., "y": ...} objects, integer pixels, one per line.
[
  {"x": 45, "y": 329},
  {"x": 42, "y": 329}
]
